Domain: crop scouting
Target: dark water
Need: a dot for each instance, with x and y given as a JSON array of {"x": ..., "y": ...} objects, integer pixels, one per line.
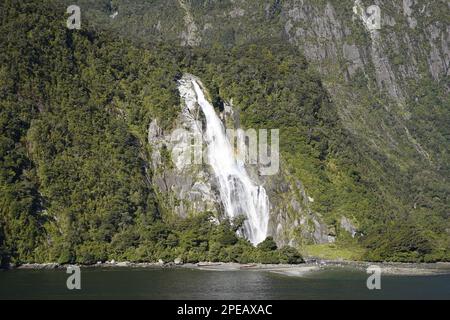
[{"x": 196, "y": 284}]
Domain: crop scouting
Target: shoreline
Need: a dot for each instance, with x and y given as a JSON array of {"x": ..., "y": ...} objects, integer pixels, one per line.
[{"x": 387, "y": 268}]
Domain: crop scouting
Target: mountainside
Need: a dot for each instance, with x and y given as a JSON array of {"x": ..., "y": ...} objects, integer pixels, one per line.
[{"x": 87, "y": 118}]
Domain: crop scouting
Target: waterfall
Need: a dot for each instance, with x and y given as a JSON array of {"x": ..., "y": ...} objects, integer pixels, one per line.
[{"x": 238, "y": 193}]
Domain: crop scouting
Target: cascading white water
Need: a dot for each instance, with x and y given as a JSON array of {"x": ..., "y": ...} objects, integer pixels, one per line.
[{"x": 238, "y": 193}]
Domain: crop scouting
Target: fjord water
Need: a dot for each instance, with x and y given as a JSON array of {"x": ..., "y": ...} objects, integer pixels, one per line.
[
  {"x": 118, "y": 283},
  {"x": 239, "y": 194}
]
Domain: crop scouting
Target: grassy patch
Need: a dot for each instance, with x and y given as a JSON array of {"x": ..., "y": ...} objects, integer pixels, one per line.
[{"x": 332, "y": 251}]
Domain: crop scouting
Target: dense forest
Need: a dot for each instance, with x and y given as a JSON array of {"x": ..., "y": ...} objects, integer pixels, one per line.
[{"x": 75, "y": 178}]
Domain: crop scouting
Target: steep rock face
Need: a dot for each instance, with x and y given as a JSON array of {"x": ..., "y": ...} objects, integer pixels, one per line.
[
  {"x": 182, "y": 187},
  {"x": 393, "y": 55},
  {"x": 292, "y": 219},
  {"x": 325, "y": 35}
]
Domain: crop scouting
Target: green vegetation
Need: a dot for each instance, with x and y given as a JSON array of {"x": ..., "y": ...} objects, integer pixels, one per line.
[
  {"x": 192, "y": 240},
  {"x": 333, "y": 251},
  {"x": 74, "y": 175}
]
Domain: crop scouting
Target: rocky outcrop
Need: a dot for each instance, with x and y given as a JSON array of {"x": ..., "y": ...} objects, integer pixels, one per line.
[
  {"x": 183, "y": 187},
  {"x": 327, "y": 36},
  {"x": 348, "y": 226},
  {"x": 189, "y": 37},
  {"x": 409, "y": 47}
]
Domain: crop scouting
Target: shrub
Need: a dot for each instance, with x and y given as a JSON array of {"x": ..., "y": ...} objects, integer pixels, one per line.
[
  {"x": 91, "y": 252},
  {"x": 268, "y": 245},
  {"x": 290, "y": 255},
  {"x": 268, "y": 257}
]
